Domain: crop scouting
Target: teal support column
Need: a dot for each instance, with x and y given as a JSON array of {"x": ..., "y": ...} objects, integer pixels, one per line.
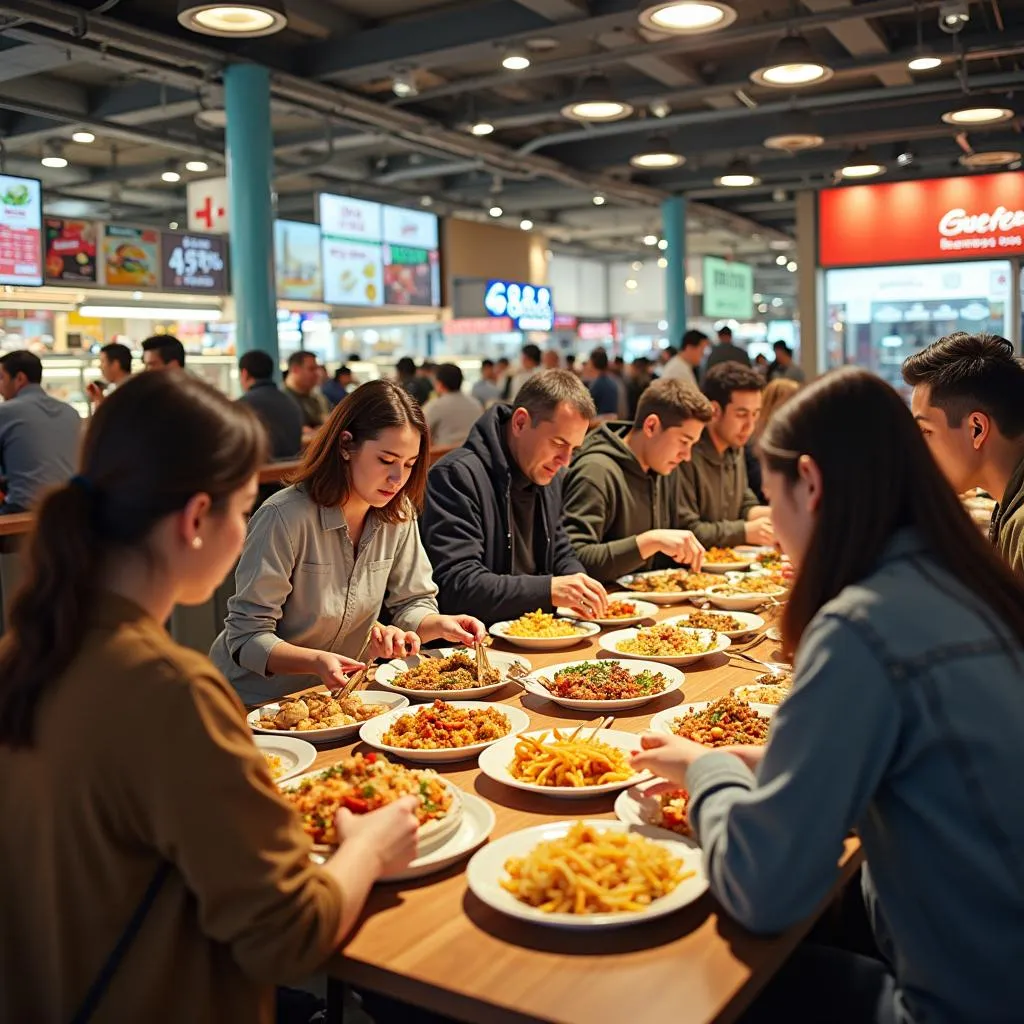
[
  {"x": 673, "y": 230},
  {"x": 250, "y": 156}
]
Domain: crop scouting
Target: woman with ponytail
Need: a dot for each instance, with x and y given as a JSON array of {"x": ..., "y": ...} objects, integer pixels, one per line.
[
  {"x": 905, "y": 723},
  {"x": 152, "y": 871}
]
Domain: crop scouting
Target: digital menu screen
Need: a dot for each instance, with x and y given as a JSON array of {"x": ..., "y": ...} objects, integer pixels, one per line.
[
  {"x": 131, "y": 257},
  {"x": 195, "y": 263},
  {"x": 377, "y": 255},
  {"x": 297, "y": 261},
  {"x": 71, "y": 253},
  {"x": 21, "y": 231}
]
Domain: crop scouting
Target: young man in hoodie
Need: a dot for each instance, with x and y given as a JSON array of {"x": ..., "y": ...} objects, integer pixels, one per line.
[
  {"x": 492, "y": 522},
  {"x": 969, "y": 402},
  {"x": 621, "y": 493}
]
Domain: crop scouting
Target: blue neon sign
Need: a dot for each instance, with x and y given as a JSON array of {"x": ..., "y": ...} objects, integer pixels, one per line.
[{"x": 529, "y": 307}]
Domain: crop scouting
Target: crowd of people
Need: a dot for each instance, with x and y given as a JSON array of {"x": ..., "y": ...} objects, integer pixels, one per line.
[{"x": 906, "y": 626}]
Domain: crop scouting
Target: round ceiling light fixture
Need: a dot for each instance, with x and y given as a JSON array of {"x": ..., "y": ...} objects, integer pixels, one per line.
[
  {"x": 657, "y": 155},
  {"x": 235, "y": 19},
  {"x": 738, "y": 174},
  {"x": 861, "y": 164},
  {"x": 54, "y": 160},
  {"x": 515, "y": 60},
  {"x": 404, "y": 85},
  {"x": 211, "y": 118},
  {"x": 481, "y": 128},
  {"x": 596, "y": 102},
  {"x": 685, "y": 17},
  {"x": 496, "y": 211},
  {"x": 977, "y": 115},
  {"x": 987, "y": 159},
  {"x": 83, "y": 138},
  {"x": 171, "y": 176},
  {"x": 599, "y": 200},
  {"x": 924, "y": 62},
  {"x": 526, "y": 224},
  {"x": 794, "y": 132},
  {"x": 197, "y": 166},
  {"x": 791, "y": 64}
]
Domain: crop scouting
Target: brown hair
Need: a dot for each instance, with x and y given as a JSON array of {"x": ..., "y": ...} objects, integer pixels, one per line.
[
  {"x": 544, "y": 392},
  {"x": 877, "y": 478},
  {"x": 673, "y": 402},
  {"x": 723, "y": 379},
  {"x": 157, "y": 441},
  {"x": 372, "y": 408},
  {"x": 775, "y": 395}
]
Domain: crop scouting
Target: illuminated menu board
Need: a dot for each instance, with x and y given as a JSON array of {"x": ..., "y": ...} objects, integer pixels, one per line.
[
  {"x": 297, "y": 261},
  {"x": 21, "y": 231},
  {"x": 376, "y": 255}
]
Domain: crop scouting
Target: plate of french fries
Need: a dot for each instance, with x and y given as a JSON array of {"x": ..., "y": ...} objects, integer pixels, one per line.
[
  {"x": 622, "y": 874},
  {"x": 572, "y": 763}
]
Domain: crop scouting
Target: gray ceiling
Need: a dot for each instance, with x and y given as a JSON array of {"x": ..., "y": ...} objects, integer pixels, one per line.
[{"x": 128, "y": 71}]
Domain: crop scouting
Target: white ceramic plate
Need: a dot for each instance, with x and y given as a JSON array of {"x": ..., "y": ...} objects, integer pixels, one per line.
[
  {"x": 741, "y": 563},
  {"x": 673, "y": 681},
  {"x": 390, "y": 675},
  {"x": 656, "y": 597},
  {"x": 662, "y": 721},
  {"x": 487, "y": 868},
  {"x": 740, "y": 602},
  {"x": 373, "y": 731},
  {"x": 343, "y": 732},
  {"x": 751, "y": 623},
  {"x": 631, "y": 807},
  {"x": 644, "y": 610},
  {"x": 745, "y": 692},
  {"x": 296, "y": 755},
  {"x": 495, "y": 761},
  {"x": 610, "y": 642},
  {"x": 431, "y": 835},
  {"x": 546, "y": 643}
]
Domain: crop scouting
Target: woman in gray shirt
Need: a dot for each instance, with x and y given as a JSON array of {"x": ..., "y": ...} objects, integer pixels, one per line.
[
  {"x": 322, "y": 557},
  {"x": 905, "y": 722}
]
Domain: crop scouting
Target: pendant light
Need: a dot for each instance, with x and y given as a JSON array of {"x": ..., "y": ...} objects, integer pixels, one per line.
[
  {"x": 792, "y": 63},
  {"x": 657, "y": 155},
  {"x": 972, "y": 116},
  {"x": 794, "y": 132},
  {"x": 233, "y": 19},
  {"x": 738, "y": 174},
  {"x": 985, "y": 160},
  {"x": 861, "y": 163},
  {"x": 596, "y": 102},
  {"x": 685, "y": 17}
]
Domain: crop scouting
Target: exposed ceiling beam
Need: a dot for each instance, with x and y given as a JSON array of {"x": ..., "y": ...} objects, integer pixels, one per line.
[
  {"x": 144, "y": 103},
  {"x": 20, "y": 60},
  {"x": 556, "y": 10}
]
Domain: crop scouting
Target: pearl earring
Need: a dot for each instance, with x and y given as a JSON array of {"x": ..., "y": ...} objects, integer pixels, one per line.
[{"x": 197, "y": 542}]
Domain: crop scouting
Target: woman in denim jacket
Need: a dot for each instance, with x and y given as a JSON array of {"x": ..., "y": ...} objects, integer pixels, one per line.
[{"x": 906, "y": 723}]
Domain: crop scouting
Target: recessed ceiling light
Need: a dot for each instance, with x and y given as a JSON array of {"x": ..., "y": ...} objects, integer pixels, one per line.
[
  {"x": 595, "y": 102},
  {"x": 404, "y": 85},
  {"x": 496, "y": 211},
  {"x": 657, "y": 155},
  {"x": 426, "y": 201},
  {"x": 686, "y": 17},
  {"x": 54, "y": 160},
  {"x": 792, "y": 63},
  {"x": 515, "y": 60},
  {"x": 631, "y": 284},
  {"x": 637, "y": 266},
  {"x": 599, "y": 200},
  {"x": 978, "y": 115},
  {"x": 650, "y": 239},
  {"x": 526, "y": 224},
  {"x": 924, "y": 62},
  {"x": 173, "y": 225},
  {"x": 662, "y": 244},
  {"x": 990, "y": 158},
  {"x": 762, "y": 307},
  {"x": 238, "y": 19},
  {"x": 197, "y": 166},
  {"x": 792, "y": 266},
  {"x": 84, "y": 138},
  {"x": 481, "y": 128},
  {"x": 662, "y": 262},
  {"x": 739, "y": 174},
  {"x": 171, "y": 177},
  {"x": 781, "y": 261}
]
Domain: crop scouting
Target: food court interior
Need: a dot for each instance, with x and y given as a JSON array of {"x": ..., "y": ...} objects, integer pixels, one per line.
[{"x": 453, "y": 180}]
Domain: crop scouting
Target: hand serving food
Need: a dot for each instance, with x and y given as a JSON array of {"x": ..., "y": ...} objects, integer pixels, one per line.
[
  {"x": 388, "y": 834},
  {"x": 581, "y": 594},
  {"x": 392, "y": 642},
  {"x": 667, "y": 756}
]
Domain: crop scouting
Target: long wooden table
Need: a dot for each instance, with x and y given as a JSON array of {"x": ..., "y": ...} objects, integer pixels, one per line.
[{"x": 430, "y": 942}]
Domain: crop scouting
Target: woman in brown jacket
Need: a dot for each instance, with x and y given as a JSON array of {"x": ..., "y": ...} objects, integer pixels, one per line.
[{"x": 151, "y": 870}]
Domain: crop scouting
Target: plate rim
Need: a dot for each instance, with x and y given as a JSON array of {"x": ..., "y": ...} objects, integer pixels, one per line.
[
  {"x": 623, "y": 704},
  {"x": 263, "y": 739},
  {"x": 673, "y": 660},
  {"x": 313, "y": 736}
]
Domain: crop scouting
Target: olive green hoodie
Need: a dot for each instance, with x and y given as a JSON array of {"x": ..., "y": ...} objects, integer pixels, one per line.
[
  {"x": 1007, "y": 530},
  {"x": 609, "y": 500}
]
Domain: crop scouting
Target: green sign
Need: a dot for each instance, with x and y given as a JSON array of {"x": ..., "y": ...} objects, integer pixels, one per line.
[{"x": 728, "y": 289}]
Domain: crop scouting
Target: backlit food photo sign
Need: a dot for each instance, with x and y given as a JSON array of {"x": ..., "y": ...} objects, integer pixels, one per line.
[{"x": 529, "y": 307}]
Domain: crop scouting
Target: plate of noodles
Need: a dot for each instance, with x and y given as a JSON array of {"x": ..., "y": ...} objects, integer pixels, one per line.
[
  {"x": 726, "y": 560},
  {"x": 604, "y": 684},
  {"x": 450, "y": 671},
  {"x": 286, "y": 756},
  {"x": 318, "y": 718},
  {"x": 730, "y": 624},
  {"x": 541, "y": 631},
  {"x": 668, "y": 586},
  {"x": 443, "y": 731},
  {"x": 666, "y": 644},
  {"x": 717, "y": 723},
  {"x": 570, "y": 762},
  {"x": 366, "y": 782},
  {"x": 624, "y": 609},
  {"x": 622, "y": 874}
]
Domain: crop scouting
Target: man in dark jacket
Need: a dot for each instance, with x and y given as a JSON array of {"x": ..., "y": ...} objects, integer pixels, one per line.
[
  {"x": 493, "y": 520},
  {"x": 280, "y": 413}
]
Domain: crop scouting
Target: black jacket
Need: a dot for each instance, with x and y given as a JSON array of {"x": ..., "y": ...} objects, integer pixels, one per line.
[
  {"x": 466, "y": 529},
  {"x": 281, "y": 416}
]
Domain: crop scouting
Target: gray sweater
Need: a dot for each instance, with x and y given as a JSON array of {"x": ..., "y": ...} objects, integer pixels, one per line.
[{"x": 906, "y": 723}]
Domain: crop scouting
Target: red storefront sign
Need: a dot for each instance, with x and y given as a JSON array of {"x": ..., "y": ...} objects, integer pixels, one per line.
[
  {"x": 980, "y": 217},
  {"x": 477, "y": 325}
]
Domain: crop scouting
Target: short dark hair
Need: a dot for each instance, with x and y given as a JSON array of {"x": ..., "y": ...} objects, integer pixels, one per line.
[
  {"x": 972, "y": 371},
  {"x": 694, "y": 338},
  {"x": 167, "y": 347},
  {"x": 23, "y": 361},
  {"x": 532, "y": 352},
  {"x": 726, "y": 378},
  {"x": 599, "y": 360},
  {"x": 120, "y": 354},
  {"x": 781, "y": 346},
  {"x": 544, "y": 392},
  {"x": 296, "y": 359},
  {"x": 258, "y": 364},
  {"x": 726, "y": 330},
  {"x": 673, "y": 402},
  {"x": 570, "y": 360},
  {"x": 486, "y": 364},
  {"x": 405, "y": 367},
  {"x": 449, "y": 376},
  {"x": 671, "y": 350},
  {"x": 342, "y": 371}
]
